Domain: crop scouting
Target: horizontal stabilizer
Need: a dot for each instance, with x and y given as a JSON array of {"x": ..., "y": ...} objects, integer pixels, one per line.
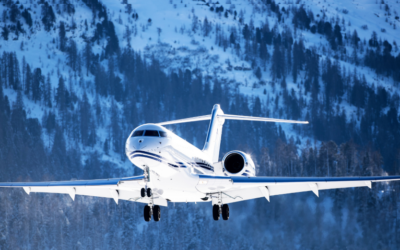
[
  {"x": 261, "y": 119},
  {"x": 231, "y": 117},
  {"x": 192, "y": 119}
]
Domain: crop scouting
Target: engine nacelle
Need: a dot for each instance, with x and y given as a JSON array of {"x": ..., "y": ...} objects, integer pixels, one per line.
[{"x": 237, "y": 163}]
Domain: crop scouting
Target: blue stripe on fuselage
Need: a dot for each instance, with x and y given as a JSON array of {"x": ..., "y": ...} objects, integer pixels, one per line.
[{"x": 140, "y": 153}]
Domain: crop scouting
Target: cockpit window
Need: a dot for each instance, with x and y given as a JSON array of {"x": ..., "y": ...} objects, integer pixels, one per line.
[
  {"x": 151, "y": 133},
  {"x": 138, "y": 133},
  {"x": 163, "y": 134}
]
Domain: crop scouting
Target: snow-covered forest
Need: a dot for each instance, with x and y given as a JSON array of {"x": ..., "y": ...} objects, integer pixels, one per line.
[{"x": 77, "y": 76}]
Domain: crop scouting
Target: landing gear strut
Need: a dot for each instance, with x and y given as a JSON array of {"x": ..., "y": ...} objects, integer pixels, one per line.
[
  {"x": 149, "y": 209},
  {"x": 220, "y": 209}
]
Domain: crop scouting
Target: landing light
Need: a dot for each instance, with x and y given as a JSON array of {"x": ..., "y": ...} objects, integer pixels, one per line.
[{"x": 203, "y": 182}]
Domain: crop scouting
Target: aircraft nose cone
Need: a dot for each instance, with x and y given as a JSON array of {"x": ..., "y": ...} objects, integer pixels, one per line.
[
  {"x": 136, "y": 143},
  {"x": 140, "y": 143}
]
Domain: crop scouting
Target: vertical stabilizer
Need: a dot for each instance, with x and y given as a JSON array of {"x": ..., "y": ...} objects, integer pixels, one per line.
[{"x": 213, "y": 140}]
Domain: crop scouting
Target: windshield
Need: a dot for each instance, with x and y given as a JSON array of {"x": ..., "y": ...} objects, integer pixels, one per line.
[
  {"x": 137, "y": 133},
  {"x": 163, "y": 134},
  {"x": 151, "y": 133}
]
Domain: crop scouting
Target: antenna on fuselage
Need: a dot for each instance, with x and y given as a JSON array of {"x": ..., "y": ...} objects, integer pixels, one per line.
[{"x": 217, "y": 117}]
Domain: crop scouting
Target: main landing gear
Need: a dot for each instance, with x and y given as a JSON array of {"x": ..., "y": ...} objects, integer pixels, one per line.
[
  {"x": 221, "y": 210},
  {"x": 152, "y": 210}
]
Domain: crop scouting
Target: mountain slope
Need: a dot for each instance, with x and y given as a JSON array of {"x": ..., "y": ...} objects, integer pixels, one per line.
[{"x": 77, "y": 76}]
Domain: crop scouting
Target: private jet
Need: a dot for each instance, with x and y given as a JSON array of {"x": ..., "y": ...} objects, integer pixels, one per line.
[{"x": 176, "y": 171}]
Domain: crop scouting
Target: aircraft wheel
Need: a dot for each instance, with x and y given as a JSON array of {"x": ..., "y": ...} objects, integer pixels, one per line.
[
  {"x": 156, "y": 213},
  {"x": 142, "y": 192},
  {"x": 216, "y": 212},
  {"x": 147, "y": 213},
  {"x": 225, "y": 211},
  {"x": 149, "y": 192}
]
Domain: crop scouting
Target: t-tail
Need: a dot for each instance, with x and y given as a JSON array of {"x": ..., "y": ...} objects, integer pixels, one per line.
[
  {"x": 217, "y": 117},
  {"x": 213, "y": 140}
]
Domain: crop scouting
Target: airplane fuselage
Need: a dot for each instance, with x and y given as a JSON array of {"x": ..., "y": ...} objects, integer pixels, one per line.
[{"x": 172, "y": 163}]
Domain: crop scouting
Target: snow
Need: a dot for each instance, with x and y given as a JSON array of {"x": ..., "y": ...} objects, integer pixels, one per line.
[{"x": 169, "y": 37}]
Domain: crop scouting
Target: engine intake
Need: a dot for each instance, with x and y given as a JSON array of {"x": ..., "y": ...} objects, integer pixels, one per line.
[{"x": 237, "y": 163}]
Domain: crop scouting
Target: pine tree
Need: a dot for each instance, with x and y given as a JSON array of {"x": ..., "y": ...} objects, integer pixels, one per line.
[
  {"x": 277, "y": 67},
  {"x": 47, "y": 92},
  {"x": 206, "y": 27},
  {"x": 48, "y": 17},
  {"x": 37, "y": 85},
  {"x": 27, "y": 16},
  {"x": 28, "y": 80},
  {"x": 61, "y": 95},
  {"x": 62, "y": 37},
  {"x": 113, "y": 43},
  {"x": 87, "y": 54},
  {"x": 85, "y": 119},
  {"x": 258, "y": 73},
  {"x": 72, "y": 55},
  {"x": 5, "y": 32},
  {"x": 246, "y": 32}
]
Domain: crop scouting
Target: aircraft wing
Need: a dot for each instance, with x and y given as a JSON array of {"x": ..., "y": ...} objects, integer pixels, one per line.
[
  {"x": 236, "y": 189},
  {"x": 127, "y": 188}
]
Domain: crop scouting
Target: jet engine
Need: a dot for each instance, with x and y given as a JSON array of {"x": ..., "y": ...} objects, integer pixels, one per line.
[{"x": 237, "y": 163}]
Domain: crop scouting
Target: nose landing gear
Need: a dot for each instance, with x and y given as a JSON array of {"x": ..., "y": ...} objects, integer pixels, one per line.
[
  {"x": 143, "y": 192},
  {"x": 149, "y": 193},
  {"x": 146, "y": 191}
]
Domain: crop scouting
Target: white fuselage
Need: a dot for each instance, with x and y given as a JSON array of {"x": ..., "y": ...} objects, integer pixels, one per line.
[{"x": 173, "y": 164}]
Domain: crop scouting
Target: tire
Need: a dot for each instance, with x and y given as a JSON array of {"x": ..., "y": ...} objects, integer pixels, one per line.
[
  {"x": 147, "y": 213},
  {"x": 216, "y": 212},
  {"x": 156, "y": 213},
  {"x": 142, "y": 192},
  {"x": 149, "y": 192},
  {"x": 225, "y": 212}
]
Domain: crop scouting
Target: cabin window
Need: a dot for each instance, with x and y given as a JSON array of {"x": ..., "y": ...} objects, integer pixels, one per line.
[
  {"x": 163, "y": 134},
  {"x": 138, "y": 133},
  {"x": 151, "y": 133}
]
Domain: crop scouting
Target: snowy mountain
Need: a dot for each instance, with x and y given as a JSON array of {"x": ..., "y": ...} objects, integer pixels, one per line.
[{"x": 77, "y": 76}]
